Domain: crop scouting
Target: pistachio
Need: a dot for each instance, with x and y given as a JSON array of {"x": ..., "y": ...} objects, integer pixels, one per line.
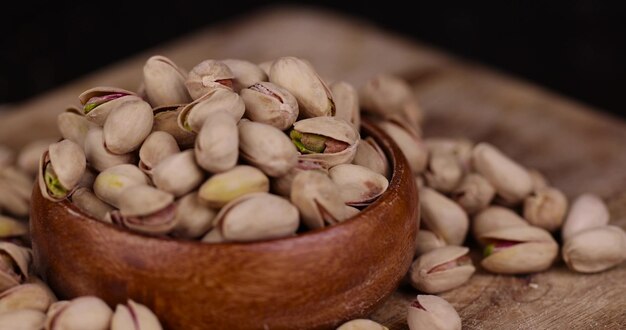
[
  {"x": 29, "y": 156},
  {"x": 410, "y": 144},
  {"x": 493, "y": 218},
  {"x": 461, "y": 148},
  {"x": 474, "y": 193},
  {"x": 442, "y": 269},
  {"x": 164, "y": 82},
  {"x": 127, "y": 126},
  {"x": 193, "y": 218},
  {"x": 98, "y": 156},
  {"x": 11, "y": 202},
  {"x": 22, "y": 319},
  {"x": 588, "y": 211},
  {"x": 246, "y": 73},
  {"x": 208, "y": 76},
  {"x": 545, "y": 208},
  {"x": 270, "y": 104},
  {"x": 433, "y": 313},
  {"x": 24, "y": 296},
  {"x": 266, "y": 66},
  {"x": 98, "y": 102},
  {"x": 10, "y": 227},
  {"x": 519, "y": 250},
  {"x": 257, "y": 216},
  {"x": 596, "y": 249},
  {"x": 346, "y": 103},
  {"x": 300, "y": 79},
  {"x": 358, "y": 185},
  {"x": 511, "y": 181},
  {"x": 443, "y": 216},
  {"x": 326, "y": 140},
  {"x": 222, "y": 188},
  {"x": 166, "y": 120},
  {"x": 146, "y": 209},
  {"x": 178, "y": 174},
  {"x": 362, "y": 324},
  {"x": 319, "y": 200},
  {"x": 157, "y": 146},
  {"x": 73, "y": 125},
  {"x": 539, "y": 181},
  {"x": 87, "y": 201},
  {"x": 134, "y": 316},
  {"x": 14, "y": 265},
  {"x": 443, "y": 172},
  {"x": 112, "y": 182},
  {"x": 267, "y": 148},
  {"x": 84, "y": 313},
  {"x": 16, "y": 180},
  {"x": 192, "y": 116},
  {"x": 217, "y": 144},
  {"x": 282, "y": 185},
  {"x": 426, "y": 241},
  {"x": 387, "y": 96},
  {"x": 370, "y": 155},
  {"x": 61, "y": 168}
]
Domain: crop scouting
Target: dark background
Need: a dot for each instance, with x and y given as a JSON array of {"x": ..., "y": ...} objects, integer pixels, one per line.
[{"x": 577, "y": 48}]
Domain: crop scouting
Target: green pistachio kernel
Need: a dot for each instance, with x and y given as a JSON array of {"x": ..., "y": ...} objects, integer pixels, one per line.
[
  {"x": 53, "y": 184},
  {"x": 308, "y": 143},
  {"x": 489, "y": 249}
]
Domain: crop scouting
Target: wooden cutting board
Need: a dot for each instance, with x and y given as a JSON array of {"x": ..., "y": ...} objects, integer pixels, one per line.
[{"x": 579, "y": 148}]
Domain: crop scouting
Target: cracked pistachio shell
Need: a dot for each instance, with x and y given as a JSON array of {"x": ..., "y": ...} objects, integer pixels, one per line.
[
  {"x": 474, "y": 193},
  {"x": 282, "y": 185},
  {"x": 461, "y": 148},
  {"x": 370, "y": 155},
  {"x": 10, "y": 227},
  {"x": 267, "y": 148},
  {"x": 127, "y": 126},
  {"x": 443, "y": 216},
  {"x": 112, "y": 182},
  {"x": 362, "y": 324},
  {"x": 86, "y": 200},
  {"x": 358, "y": 185},
  {"x": 270, "y": 104},
  {"x": 146, "y": 209},
  {"x": 330, "y": 127},
  {"x": 533, "y": 250},
  {"x": 11, "y": 203},
  {"x": 595, "y": 250},
  {"x": 157, "y": 146},
  {"x": 112, "y": 98},
  {"x": 14, "y": 265},
  {"x": 24, "y": 296},
  {"x": 426, "y": 240},
  {"x": 257, "y": 216},
  {"x": 545, "y": 208},
  {"x": 83, "y": 313},
  {"x": 62, "y": 166},
  {"x": 433, "y": 313},
  {"x": 217, "y": 144},
  {"x": 193, "y": 115},
  {"x": 22, "y": 319},
  {"x": 346, "y": 103},
  {"x": 164, "y": 82},
  {"x": 73, "y": 125},
  {"x": 410, "y": 144},
  {"x": 300, "y": 79},
  {"x": 166, "y": 120},
  {"x": 246, "y": 73},
  {"x": 241, "y": 180},
  {"x": 178, "y": 174},
  {"x": 442, "y": 269},
  {"x": 208, "y": 76},
  {"x": 193, "y": 218},
  {"x": 319, "y": 200},
  {"x": 98, "y": 156},
  {"x": 493, "y": 218},
  {"x": 587, "y": 211},
  {"x": 538, "y": 179},
  {"x": 7, "y": 156},
  {"x": 134, "y": 316},
  {"x": 385, "y": 95},
  {"x": 511, "y": 181},
  {"x": 443, "y": 172},
  {"x": 29, "y": 156}
]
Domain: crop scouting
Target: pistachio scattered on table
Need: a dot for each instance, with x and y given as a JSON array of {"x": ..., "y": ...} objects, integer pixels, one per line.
[{"x": 432, "y": 312}]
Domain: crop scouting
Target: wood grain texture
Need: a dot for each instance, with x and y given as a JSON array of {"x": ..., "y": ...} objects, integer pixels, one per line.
[{"x": 579, "y": 148}]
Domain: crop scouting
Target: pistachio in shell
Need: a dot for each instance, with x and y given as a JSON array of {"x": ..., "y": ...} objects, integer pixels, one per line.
[
  {"x": 474, "y": 193},
  {"x": 98, "y": 156},
  {"x": 134, "y": 316},
  {"x": 87, "y": 312},
  {"x": 29, "y": 156},
  {"x": 146, "y": 209},
  {"x": 178, "y": 174},
  {"x": 87, "y": 201},
  {"x": 385, "y": 95},
  {"x": 193, "y": 217},
  {"x": 246, "y": 73},
  {"x": 346, "y": 103},
  {"x": 433, "y": 313},
  {"x": 112, "y": 182},
  {"x": 493, "y": 218},
  {"x": 359, "y": 186},
  {"x": 270, "y": 104},
  {"x": 98, "y": 102},
  {"x": 596, "y": 249},
  {"x": 208, "y": 76},
  {"x": 14, "y": 265},
  {"x": 370, "y": 155},
  {"x": 127, "y": 126},
  {"x": 73, "y": 125},
  {"x": 410, "y": 144},
  {"x": 443, "y": 172},
  {"x": 193, "y": 115},
  {"x": 282, "y": 185},
  {"x": 222, "y": 188},
  {"x": 61, "y": 168},
  {"x": 267, "y": 148},
  {"x": 24, "y": 296},
  {"x": 426, "y": 241},
  {"x": 164, "y": 82},
  {"x": 443, "y": 216},
  {"x": 217, "y": 144},
  {"x": 442, "y": 269},
  {"x": 545, "y": 208},
  {"x": 587, "y": 211},
  {"x": 166, "y": 120},
  {"x": 461, "y": 148},
  {"x": 157, "y": 146}
]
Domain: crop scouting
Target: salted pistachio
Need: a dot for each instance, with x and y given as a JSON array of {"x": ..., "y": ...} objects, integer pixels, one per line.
[
  {"x": 358, "y": 185},
  {"x": 257, "y": 216},
  {"x": 266, "y": 66},
  {"x": 426, "y": 241},
  {"x": 246, "y": 73},
  {"x": 266, "y": 147},
  {"x": 596, "y": 249},
  {"x": 222, "y": 188},
  {"x": 443, "y": 172},
  {"x": 24, "y": 296},
  {"x": 433, "y": 313},
  {"x": 10, "y": 227},
  {"x": 29, "y": 156},
  {"x": 300, "y": 79},
  {"x": 474, "y": 193},
  {"x": 87, "y": 201},
  {"x": 493, "y": 218},
  {"x": 545, "y": 208},
  {"x": 511, "y": 181},
  {"x": 61, "y": 168},
  {"x": 539, "y": 180},
  {"x": 410, "y": 144},
  {"x": 73, "y": 125},
  {"x": 134, "y": 316},
  {"x": 442, "y": 269},
  {"x": 98, "y": 156},
  {"x": 111, "y": 183},
  {"x": 22, "y": 319},
  {"x": 443, "y": 216},
  {"x": 346, "y": 103},
  {"x": 127, "y": 126},
  {"x": 164, "y": 82},
  {"x": 12, "y": 203},
  {"x": 166, "y": 120},
  {"x": 192, "y": 116},
  {"x": 327, "y": 140},
  {"x": 282, "y": 185},
  {"x": 14, "y": 265},
  {"x": 193, "y": 218},
  {"x": 208, "y": 76},
  {"x": 178, "y": 174},
  {"x": 461, "y": 148},
  {"x": 388, "y": 96},
  {"x": 214, "y": 236},
  {"x": 319, "y": 200},
  {"x": 370, "y": 155},
  {"x": 519, "y": 250},
  {"x": 157, "y": 146},
  {"x": 7, "y": 156},
  {"x": 98, "y": 102},
  {"x": 587, "y": 211},
  {"x": 85, "y": 313},
  {"x": 217, "y": 144},
  {"x": 270, "y": 104},
  {"x": 146, "y": 209},
  {"x": 362, "y": 324}
]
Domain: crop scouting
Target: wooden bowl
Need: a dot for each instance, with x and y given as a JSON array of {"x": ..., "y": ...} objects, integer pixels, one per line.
[{"x": 315, "y": 280}]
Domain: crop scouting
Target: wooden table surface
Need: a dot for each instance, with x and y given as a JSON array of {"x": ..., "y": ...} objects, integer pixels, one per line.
[{"x": 579, "y": 148}]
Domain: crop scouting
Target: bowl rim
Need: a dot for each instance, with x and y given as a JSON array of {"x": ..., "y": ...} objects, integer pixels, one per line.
[{"x": 389, "y": 147}]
